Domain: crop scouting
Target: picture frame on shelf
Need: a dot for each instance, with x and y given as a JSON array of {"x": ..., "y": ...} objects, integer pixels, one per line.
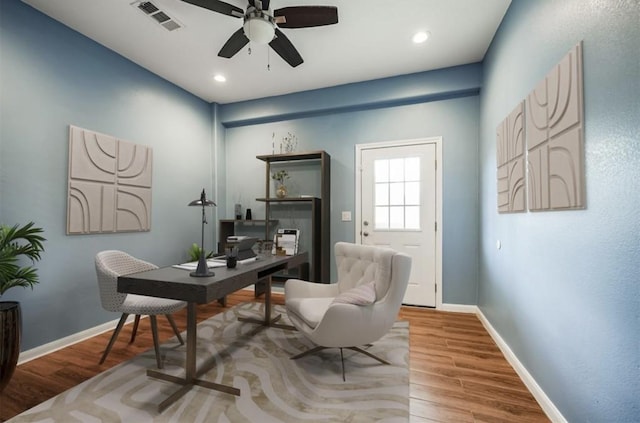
[{"x": 285, "y": 242}]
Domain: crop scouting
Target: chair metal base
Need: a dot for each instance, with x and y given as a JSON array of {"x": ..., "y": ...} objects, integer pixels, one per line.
[
  {"x": 356, "y": 349},
  {"x": 154, "y": 333}
]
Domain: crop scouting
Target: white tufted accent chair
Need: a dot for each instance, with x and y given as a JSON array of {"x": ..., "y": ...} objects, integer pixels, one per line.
[
  {"x": 311, "y": 309},
  {"x": 111, "y": 264}
]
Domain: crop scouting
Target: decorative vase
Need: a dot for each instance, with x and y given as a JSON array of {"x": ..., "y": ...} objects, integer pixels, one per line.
[
  {"x": 10, "y": 331},
  {"x": 281, "y": 191}
]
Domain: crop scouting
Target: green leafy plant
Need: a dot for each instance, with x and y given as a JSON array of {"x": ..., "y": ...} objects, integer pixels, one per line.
[
  {"x": 16, "y": 242},
  {"x": 280, "y": 176},
  {"x": 194, "y": 253}
]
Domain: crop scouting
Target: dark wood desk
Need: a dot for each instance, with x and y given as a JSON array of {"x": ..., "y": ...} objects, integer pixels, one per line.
[{"x": 169, "y": 282}]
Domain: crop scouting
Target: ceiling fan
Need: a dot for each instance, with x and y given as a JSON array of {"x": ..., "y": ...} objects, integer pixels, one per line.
[{"x": 261, "y": 27}]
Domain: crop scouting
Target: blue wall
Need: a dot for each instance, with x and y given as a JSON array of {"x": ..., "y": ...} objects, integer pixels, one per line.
[
  {"x": 441, "y": 103},
  {"x": 563, "y": 291},
  {"x": 53, "y": 77}
]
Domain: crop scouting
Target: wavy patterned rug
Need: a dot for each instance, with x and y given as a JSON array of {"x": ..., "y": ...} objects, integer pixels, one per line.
[{"x": 273, "y": 387}]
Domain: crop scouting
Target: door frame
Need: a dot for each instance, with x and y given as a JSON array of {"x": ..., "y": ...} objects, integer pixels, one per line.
[{"x": 358, "y": 193}]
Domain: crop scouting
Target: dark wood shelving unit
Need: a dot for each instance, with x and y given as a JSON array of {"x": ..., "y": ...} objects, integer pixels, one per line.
[
  {"x": 320, "y": 208},
  {"x": 227, "y": 227}
]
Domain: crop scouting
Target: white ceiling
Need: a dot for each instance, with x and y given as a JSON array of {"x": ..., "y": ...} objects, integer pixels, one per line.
[{"x": 371, "y": 40}]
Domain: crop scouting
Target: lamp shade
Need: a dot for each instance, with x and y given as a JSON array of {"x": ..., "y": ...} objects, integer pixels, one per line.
[{"x": 202, "y": 201}]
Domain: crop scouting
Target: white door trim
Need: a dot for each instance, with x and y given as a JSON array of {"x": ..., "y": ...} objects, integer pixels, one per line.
[{"x": 358, "y": 214}]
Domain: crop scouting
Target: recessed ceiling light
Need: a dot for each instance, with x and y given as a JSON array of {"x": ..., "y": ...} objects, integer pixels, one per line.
[
  {"x": 220, "y": 78},
  {"x": 421, "y": 37}
]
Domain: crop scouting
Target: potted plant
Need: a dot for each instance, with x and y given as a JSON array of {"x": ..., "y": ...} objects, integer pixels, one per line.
[
  {"x": 194, "y": 253},
  {"x": 280, "y": 176},
  {"x": 15, "y": 243}
]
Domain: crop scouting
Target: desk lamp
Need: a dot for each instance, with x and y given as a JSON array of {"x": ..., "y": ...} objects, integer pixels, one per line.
[{"x": 202, "y": 271}]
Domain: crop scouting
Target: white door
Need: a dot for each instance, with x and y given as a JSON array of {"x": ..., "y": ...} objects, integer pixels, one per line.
[{"x": 398, "y": 209}]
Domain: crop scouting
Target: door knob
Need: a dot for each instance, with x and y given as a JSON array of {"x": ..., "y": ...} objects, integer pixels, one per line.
[{"x": 365, "y": 233}]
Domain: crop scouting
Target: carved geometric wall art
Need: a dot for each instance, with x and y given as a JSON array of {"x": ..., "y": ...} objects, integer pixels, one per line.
[
  {"x": 109, "y": 185},
  {"x": 510, "y": 150},
  {"x": 555, "y": 137}
]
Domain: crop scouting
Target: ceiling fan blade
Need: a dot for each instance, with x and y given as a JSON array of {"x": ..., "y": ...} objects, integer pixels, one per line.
[
  {"x": 281, "y": 45},
  {"x": 306, "y": 16},
  {"x": 218, "y": 6},
  {"x": 234, "y": 44}
]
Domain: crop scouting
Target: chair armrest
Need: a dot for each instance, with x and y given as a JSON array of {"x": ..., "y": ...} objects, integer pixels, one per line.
[
  {"x": 142, "y": 266},
  {"x": 296, "y": 288}
]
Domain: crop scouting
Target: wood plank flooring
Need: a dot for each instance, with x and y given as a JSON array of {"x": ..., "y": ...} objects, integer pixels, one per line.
[{"x": 458, "y": 374}]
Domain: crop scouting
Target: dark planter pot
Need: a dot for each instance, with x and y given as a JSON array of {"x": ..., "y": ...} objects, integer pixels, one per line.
[{"x": 10, "y": 332}]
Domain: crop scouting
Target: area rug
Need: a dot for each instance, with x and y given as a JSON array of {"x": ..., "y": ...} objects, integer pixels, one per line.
[{"x": 273, "y": 387}]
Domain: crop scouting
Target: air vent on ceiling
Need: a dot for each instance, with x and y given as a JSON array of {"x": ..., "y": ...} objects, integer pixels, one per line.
[{"x": 158, "y": 15}]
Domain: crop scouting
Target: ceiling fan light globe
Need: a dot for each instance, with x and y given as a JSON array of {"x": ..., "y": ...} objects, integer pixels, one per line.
[{"x": 259, "y": 31}]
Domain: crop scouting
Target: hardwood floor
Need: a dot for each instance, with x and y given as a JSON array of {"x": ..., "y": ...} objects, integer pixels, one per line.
[{"x": 458, "y": 374}]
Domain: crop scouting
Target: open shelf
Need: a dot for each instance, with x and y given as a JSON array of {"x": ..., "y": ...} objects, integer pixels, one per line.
[
  {"x": 288, "y": 199},
  {"x": 248, "y": 222},
  {"x": 227, "y": 227},
  {"x": 291, "y": 157},
  {"x": 320, "y": 207}
]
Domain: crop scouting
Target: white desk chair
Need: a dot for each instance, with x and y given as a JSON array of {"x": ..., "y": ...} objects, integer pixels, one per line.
[
  {"x": 357, "y": 310},
  {"x": 111, "y": 264}
]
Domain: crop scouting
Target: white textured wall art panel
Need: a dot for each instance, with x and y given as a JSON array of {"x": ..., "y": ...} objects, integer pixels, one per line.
[
  {"x": 109, "y": 187},
  {"x": 510, "y": 151},
  {"x": 555, "y": 137}
]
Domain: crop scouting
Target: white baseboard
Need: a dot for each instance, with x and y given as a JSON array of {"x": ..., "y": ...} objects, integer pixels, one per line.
[
  {"x": 58, "y": 344},
  {"x": 545, "y": 402},
  {"x": 459, "y": 308}
]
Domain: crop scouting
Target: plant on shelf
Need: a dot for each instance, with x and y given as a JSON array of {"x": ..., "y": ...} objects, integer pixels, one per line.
[
  {"x": 280, "y": 176},
  {"x": 194, "y": 253},
  {"x": 15, "y": 243}
]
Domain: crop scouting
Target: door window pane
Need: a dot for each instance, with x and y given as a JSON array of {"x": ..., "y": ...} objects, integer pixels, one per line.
[
  {"x": 382, "y": 194},
  {"x": 397, "y": 193},
  {"x": 412, "y": 169},
  {"x": 412, "y": 193},
  {"x": 396, "y": 170},
  {"x": 381, "y": 169},
  {"x": 396, "y": 217}
]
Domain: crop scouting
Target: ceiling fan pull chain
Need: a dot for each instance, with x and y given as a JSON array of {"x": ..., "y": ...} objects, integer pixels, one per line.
[{"x": 269, "y": 59}]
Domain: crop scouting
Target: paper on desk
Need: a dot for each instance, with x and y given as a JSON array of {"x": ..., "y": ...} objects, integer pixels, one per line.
[{"x": 249, "y": 260}]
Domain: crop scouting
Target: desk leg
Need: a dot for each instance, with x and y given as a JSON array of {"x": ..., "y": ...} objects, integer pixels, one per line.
[
  {"x": 267, "y": 303},
  {"x": 192, "y": 342},
  {"x": 267, "y": 321},
  {"x": 189, "y": 366}
]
